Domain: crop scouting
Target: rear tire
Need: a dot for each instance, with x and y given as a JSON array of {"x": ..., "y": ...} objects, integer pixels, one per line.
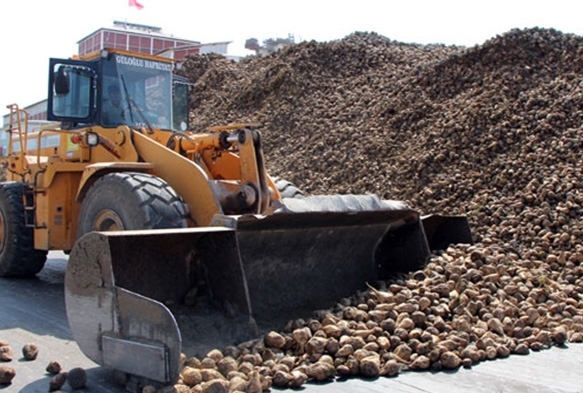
[
  {"x": 17, "y": 254},
  {"x": 126, "y": 201},
  {"x": 287, "y": 189}
]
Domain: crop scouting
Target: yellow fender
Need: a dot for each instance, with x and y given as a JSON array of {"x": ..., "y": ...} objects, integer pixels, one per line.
[{"x": 94, "y": 171}]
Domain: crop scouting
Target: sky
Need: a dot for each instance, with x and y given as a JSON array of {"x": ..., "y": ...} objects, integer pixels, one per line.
[{"x": 32, "y": 31}]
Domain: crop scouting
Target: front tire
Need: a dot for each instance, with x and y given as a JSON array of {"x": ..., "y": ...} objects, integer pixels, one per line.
[
  {"x": 17, "y": 254},
  {"x": 128, "y": 201}
]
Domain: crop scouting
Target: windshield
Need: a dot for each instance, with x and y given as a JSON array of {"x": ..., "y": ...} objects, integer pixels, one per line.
[{"x": 136, "y": 91}]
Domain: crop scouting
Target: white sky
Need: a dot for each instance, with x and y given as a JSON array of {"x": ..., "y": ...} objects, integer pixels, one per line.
[{"x": 32, "y": 31}]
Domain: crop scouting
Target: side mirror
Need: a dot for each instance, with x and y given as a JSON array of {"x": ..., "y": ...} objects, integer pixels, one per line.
[{"x": 62, "y": 81}]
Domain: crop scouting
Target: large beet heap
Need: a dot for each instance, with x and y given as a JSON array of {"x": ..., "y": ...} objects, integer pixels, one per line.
[{"x": 493, "y": 132}]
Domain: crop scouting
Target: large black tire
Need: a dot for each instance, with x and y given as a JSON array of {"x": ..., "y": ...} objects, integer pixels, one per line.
[
  {"x": 127, "y": 200},
  {"x": 17, "y": 254},
  {"x": 287, "y": 189}
]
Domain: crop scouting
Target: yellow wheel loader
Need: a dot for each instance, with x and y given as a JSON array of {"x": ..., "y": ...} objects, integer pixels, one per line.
[{"x": 180, "y": 241}]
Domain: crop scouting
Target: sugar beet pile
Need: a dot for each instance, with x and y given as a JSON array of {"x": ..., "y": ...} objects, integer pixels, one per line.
[{"x": 494, "y": 132}]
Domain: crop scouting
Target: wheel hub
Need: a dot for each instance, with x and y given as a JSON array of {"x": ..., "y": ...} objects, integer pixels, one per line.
[{"x": 108, "y": 220}]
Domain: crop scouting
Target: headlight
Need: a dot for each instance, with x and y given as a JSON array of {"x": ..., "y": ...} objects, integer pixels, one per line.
[{"x": 91, "y": 139}]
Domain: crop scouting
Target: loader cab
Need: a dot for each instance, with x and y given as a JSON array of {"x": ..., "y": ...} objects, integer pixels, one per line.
[{"x": 117, "y": 88}]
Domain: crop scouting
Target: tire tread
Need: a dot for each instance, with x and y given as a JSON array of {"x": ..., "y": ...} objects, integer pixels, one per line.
[{"x": 19, "y": 257}]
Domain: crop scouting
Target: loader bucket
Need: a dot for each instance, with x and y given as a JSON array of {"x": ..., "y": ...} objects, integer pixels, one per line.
[
  {"x": 441, "y": 231},
  {"x": 137, "y": 299}
]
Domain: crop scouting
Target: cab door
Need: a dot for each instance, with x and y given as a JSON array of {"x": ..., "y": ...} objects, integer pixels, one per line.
[{"x": 72, "y": 91}]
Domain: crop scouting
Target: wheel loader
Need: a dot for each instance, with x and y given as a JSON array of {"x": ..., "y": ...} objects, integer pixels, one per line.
[{"x": 179, "y": 240}]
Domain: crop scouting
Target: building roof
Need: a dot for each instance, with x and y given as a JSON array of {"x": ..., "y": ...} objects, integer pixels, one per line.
[{"x": 138, "y": 29}]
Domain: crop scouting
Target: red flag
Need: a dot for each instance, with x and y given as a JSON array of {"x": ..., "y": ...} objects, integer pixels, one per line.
[{"x": 134, "y": 3}]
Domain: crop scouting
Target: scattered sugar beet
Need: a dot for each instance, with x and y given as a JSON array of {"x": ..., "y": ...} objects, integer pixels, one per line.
[
  {"x": 77, "y": 378},
  {"x": 7, "y": 374},
  {"x": 30, "y": 351},
  {"x": 54, "y": 367},
  {"x": 6, "y": 353},
  {"x": 57, "y": 381}
]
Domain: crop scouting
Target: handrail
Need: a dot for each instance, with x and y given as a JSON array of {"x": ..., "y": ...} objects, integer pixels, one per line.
[
  {"x": 16, "y": 117},
  {"x": 39, "y": 143}
]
